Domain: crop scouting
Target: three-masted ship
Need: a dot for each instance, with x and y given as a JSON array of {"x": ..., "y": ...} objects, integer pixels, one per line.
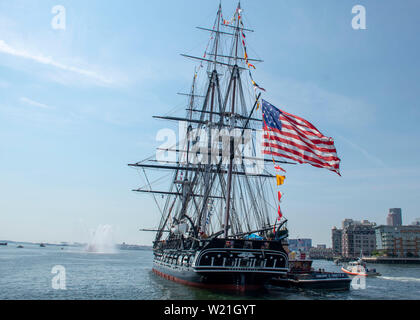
[{"x": 219, "y": 226}]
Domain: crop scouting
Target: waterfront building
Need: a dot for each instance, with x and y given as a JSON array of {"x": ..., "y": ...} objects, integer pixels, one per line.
[
  {"x": 358, "y": 239},
  {"x": 300, "y": 244},
  {"x": 416, "y": 222},
  {"x": 398, "y": 241},
  {"x": 347, "y": 222},
  {"x": 394, "y": 217},
  {"x": 321, "y": 252},
  {"x": 336, "y": 235}
]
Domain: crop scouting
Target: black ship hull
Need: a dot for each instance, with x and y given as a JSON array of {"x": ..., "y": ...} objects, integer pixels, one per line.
[{"x": 239, "y": 266}]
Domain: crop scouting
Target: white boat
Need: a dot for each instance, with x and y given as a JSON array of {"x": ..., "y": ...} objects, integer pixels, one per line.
[{"x": 358, "y": 268}]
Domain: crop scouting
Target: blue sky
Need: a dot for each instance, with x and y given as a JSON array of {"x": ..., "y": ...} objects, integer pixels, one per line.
[{"x": 76, "y": 107}]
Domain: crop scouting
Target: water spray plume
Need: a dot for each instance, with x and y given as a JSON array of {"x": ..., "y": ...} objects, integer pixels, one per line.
[{"x": 102, "y": 240}]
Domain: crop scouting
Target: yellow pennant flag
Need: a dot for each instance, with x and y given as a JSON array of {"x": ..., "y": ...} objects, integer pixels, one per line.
[{"x": 280, "y": 179}]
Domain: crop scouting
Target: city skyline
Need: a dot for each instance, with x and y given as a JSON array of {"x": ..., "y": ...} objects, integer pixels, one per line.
[{"x": 76, "y": 107}]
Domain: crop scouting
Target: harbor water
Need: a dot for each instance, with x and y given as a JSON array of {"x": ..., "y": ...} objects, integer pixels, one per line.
[{"x": 29, "y": 273}]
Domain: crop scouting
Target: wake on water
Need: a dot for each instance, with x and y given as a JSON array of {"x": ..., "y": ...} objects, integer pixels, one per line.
[{"x": 402, "y": 279}]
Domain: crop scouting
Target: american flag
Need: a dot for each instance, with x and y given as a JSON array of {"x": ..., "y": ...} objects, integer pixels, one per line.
[{"x": 289, "y": 136}]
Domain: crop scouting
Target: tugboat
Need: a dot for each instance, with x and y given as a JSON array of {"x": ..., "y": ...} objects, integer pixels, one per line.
[
  {"x": 358, "y": 268},
  {"x": 302, "y": 275}
]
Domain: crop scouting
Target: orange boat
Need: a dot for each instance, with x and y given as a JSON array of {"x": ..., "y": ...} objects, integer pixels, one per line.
[{"x": 358, "y": 268}]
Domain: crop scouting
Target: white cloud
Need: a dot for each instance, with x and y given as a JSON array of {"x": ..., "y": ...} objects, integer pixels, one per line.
[
  {"x": 7, "y": 49},
  {"x": 34, "y": 103}
]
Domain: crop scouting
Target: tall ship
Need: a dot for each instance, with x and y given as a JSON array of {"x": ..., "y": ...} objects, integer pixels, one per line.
[{"x": 221, "y": 226}]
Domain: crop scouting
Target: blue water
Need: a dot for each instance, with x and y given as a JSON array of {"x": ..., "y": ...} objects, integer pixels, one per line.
[{"x": 26, "y": 274}]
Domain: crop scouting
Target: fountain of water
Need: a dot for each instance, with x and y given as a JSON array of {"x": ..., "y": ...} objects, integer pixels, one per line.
[{"x": 102, "y": 240}]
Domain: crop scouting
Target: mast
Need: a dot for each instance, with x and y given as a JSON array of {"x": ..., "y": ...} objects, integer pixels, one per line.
[
  {"x": 203, "y": 213},
  {"x": 232, "y": 144}
]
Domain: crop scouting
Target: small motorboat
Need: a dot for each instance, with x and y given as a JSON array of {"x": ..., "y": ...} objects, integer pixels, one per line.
[
  {"x": 358, "y": 268},
  {"x": 20, "y": 247},
  {"x": 3, "y": 243},
  {"x": 42, "y": 245}
]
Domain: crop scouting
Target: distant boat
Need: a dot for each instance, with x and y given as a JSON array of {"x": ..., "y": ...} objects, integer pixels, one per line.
[
  {"x": 19, "y": 246},
  {"x": 42, "y": 245},
  {"x": 3, "y": 243},
  {"x": 358, "y": 268}
]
